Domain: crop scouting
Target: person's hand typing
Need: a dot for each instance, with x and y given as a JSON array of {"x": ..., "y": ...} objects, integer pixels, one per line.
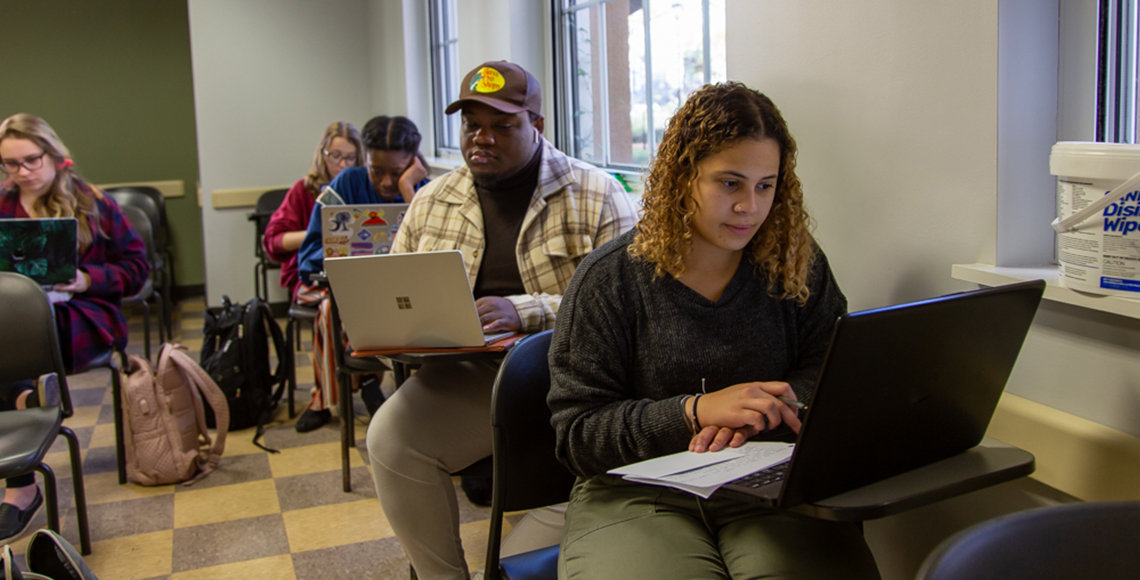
[{"x": 497, "y": 314}]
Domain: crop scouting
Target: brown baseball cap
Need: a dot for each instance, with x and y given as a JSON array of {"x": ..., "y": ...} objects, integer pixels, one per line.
[{"x": 501, "y": 85}]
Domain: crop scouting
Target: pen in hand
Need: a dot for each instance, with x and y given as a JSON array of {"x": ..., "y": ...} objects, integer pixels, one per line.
[{"x": 792, "y": 403}]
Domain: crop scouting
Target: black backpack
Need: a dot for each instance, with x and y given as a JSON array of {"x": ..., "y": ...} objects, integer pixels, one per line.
[{"x": 235, "y": 353}]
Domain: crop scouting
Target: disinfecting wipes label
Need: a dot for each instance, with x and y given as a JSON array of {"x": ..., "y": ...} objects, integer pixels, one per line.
[{"x": 1103, "y": 254}]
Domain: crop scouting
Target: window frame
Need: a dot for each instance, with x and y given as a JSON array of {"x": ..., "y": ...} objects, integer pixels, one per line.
[
  {"x": 566, "y": 98},
  {"x": 445, "y": 74},
  {"x": 1117, "y": 94}
]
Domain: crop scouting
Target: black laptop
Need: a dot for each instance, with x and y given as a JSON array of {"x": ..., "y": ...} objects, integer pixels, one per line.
[
  {"x": 902, "y": 387},
  {"x": 43, "y": 249}
]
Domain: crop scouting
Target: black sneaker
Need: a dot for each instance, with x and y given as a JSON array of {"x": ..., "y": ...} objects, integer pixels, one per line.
[
  {"x": 13, "y": 520},
  {"x": 311, "y": 420},
  {"x": 370, "y": 393},
  {"x": 52, "y": 556},
  {"x": 477, "y": 488}
]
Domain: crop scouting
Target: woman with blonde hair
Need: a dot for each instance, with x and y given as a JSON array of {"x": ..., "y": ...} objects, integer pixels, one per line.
[
  {"x": 40, "y": 181},
  {"x": 340, "y": 148},
  {"x": 694, "y": 331}
]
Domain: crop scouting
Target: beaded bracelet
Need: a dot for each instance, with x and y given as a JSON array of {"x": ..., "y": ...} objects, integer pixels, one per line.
[
  {"x": 696, "y": 421},
  {"x": 685, "y": 415}
]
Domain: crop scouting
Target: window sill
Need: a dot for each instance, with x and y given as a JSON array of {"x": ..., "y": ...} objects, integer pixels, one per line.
[
  {"x": 441, "y": 165},
  {"x": 987, "y": 275}
]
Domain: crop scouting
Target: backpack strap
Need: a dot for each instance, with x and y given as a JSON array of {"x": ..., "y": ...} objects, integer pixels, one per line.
[
  {"x": 205, "y": 387},
  {"x": 278, "y": 338},
  {"x": 260, "y": 313}
]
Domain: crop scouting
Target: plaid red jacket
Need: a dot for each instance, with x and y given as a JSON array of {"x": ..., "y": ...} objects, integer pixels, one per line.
[{"x": 91, "y": 322}]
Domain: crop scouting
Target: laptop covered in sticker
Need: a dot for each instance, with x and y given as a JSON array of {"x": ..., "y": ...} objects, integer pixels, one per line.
[{"x": 360, "y": 229}]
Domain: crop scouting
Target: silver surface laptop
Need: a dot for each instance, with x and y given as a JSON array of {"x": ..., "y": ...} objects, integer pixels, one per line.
[
  {"x": 902, "y": 387},
  {"x": 360, "y": 230},
  {"x": 420, "y": 300}
]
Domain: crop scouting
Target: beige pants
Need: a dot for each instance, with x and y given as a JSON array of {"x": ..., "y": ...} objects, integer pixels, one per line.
[{"x": 435, "y": 424}]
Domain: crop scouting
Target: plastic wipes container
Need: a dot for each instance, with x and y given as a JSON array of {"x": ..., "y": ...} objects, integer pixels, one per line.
[{"x": 1098, "y": 216}]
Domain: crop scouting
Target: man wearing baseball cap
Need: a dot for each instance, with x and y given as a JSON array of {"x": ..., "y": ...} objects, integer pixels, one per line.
[{"x": 524, "y": 215}]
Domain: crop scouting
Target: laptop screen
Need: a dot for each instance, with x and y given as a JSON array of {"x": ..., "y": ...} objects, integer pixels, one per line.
[
  {"x": 907, "y": 385},
  {"x": 43, "y": 249}
]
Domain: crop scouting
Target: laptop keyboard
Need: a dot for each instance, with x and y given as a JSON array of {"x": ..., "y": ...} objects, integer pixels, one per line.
[
  {"x": 495, "y": 337},
  {"x": 763, "y": 477}
]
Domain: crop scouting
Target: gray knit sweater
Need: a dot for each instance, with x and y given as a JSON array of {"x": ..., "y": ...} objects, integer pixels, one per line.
[{"x": 627, "y": 347}]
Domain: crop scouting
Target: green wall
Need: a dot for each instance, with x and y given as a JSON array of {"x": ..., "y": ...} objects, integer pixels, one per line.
[{"x": 114, "y": 79}]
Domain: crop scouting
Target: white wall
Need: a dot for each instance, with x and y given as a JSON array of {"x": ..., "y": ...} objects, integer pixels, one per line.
[
  {"x": 269, "y": 76},
  {"x": 906, "y": 117},
  {"x": 893, "y": 105}
]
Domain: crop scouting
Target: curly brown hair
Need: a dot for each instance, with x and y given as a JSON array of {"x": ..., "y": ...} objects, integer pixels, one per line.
[{"x": 712, "y": 119}]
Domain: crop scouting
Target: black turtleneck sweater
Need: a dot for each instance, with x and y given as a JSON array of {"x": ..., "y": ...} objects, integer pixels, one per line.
[{"x": 504, "y": 205}]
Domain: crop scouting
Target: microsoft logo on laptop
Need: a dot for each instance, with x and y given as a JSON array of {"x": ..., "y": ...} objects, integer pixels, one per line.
[{"x": 404, "y": 302}]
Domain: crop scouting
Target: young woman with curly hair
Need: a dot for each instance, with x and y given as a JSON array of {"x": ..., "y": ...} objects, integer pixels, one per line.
[{"x": 682, "y": 334}]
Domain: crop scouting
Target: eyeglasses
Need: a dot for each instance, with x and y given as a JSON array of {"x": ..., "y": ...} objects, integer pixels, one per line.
[
  {"x": 31, "y": 164},
  {"x": 349, "y": 159}
]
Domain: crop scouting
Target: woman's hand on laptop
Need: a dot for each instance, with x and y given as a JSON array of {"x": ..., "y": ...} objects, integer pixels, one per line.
[
  {"x": 497, "y": 314},
  {"x": 746, "y": 409},
  {"x": 77, "y": 286}
]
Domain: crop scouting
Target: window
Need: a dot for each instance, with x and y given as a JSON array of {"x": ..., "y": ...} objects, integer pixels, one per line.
[
  {"x": 445, "y": 73},
  {"x": 1117, "y": 119},
  {"x": 624, "y": 66}
]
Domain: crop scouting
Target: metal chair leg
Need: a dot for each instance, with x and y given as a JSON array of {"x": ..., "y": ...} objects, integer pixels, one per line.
[
  {"x": 146, "y": 329},
  {"x": 291, "y": 352},
  {"x": 117, "y": 402},
  {"x": 80, "y": 490},
  {"x": 51, "y": 498},
  {"x": 344, "y": 383}
]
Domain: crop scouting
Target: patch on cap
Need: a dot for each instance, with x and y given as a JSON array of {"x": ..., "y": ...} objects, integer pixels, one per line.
[{"x": 487, "y": 80}]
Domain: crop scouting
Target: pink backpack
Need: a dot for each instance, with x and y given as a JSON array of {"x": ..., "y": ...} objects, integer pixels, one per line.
[{"x": 164, "y": 420}]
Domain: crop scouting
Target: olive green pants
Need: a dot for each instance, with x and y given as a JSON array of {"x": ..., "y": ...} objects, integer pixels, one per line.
[{"x": 621, "y": 530}]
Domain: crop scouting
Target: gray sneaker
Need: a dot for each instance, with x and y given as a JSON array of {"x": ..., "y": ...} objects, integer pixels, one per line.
[{"x": 47, "y": 390}]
